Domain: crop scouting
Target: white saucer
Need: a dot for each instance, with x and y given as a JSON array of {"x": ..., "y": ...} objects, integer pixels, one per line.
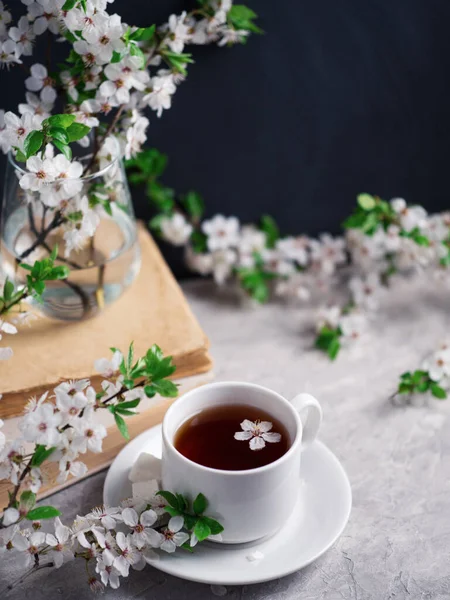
[{"x": 323, "y": 511}]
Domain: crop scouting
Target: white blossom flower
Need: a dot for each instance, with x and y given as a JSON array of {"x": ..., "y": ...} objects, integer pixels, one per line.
[
  {"x": 41, "y": 81},
  {"x": 109, "y": 574},
  {"x": 328, "y": 252},
  {"x": 199, "y": 262},
  {"x": 128, "y": 555},
  {"x": 82, "y": 526},
  {"x": 108, "y": 516},
  {"x": 17, "y": 128},
  {"x": 366, "y": 292},
  {"x": 222, "y": 232},
  {"x": 410, "y": 216},
  {"x": 107, "y": 368},
  {"x": 105, "y": 39},
  {"x": 352, "y": 326},
  {"x": 136, "y": 137},
  {"x": 11, "y": 515},
  {"x": 275, "y": 262},
  {"x": 169, "y": 538},
  {"x": 23, "y": 35},
  {"x": 7, "y": 537},
  {"x": 328, "y": 316},
  {"x": 60, "y": 544},
  {"x": 77, "y": 233},
  {"x": 294, "y": 248},
  {"x": 86, "y": 113},
  {"x": 41, "y": 425},
  {"x": 9, "y": 53},
  {"x": 438, "y": 365},
  {"x": 5, "y": 19},
  {"x": 88, "y": 436},
  {"x": 5, "y": 327},
  {"x": 159, "y": 97},
  {"x": 35, "y": 106},
  {"x": 46, "y": 15},
  {"x": 175, "y": 229},
  {"x": 223, "y": 261},
  {"x": 39, "y": 173},
  {"x": 139, "y": 524},
  {"x": 76, "y": 468},
  {"x": 28, "y": 547},
  {"x": 68, "y": 174},
  {"x": 179, "y": 32},
  {"x": 258, "y": 432},
  {"x": 70, "y": 405},
  {"x": 71, "y": 386},
  {"x": 251, "y": 240},
  {"x": 232, "y": 36}
]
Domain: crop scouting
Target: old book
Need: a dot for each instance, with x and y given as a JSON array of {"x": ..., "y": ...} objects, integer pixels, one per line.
[
  {"x": 151, "y": 412},
  {"x": 152, "y": 310}
]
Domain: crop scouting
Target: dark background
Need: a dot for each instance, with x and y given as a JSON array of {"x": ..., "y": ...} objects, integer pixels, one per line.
[{"x": 334, "y": 99}]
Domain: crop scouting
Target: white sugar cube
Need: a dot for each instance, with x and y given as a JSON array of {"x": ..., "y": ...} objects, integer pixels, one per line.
[
  {"x": 145, "y": 489},
  {"x": 146, "y": 467}
]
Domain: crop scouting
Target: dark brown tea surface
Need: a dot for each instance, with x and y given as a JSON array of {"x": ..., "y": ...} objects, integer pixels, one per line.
[{"x": 208, "y": 439}]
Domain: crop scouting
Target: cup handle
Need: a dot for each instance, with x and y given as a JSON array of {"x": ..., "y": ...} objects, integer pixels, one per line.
[{"x": 310, "y": 415}]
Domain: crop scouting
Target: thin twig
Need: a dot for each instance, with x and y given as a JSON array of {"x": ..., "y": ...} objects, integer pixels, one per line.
[{"x": 56, "y": 222}]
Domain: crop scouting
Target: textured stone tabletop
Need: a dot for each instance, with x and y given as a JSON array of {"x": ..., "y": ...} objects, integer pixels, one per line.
[{"x": 397, "y": 543}]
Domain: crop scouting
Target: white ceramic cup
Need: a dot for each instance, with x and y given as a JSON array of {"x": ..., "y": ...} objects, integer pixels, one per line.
[{"x": 253, "y": 503}]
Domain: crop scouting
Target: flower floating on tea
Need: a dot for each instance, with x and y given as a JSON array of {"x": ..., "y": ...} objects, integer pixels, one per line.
[{"x": 258, "y": 434}]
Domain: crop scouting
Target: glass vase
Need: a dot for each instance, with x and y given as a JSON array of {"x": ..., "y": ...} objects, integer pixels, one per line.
[{"x": 92, "y": 222}]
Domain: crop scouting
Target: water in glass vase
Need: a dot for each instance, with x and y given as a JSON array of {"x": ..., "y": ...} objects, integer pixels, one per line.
[{"x": 99, "y": 272}]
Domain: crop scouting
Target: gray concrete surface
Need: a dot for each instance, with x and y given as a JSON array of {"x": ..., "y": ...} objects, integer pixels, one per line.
[{"x": 397, "y": 543}]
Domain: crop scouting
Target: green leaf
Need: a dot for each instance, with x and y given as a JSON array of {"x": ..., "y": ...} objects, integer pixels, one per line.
[
  {"x": 69, "y": 4},
  {"x": 173, "y": 512},
  {"x": 63, "y": 121},
  {"x": 40, "y": 455},
  {"x": 165, "y": 388},
  {"x": 143, "y": 34},
  {"x": 8, "y": 290},
  {"x": 121, "y": 426},
  {"x": 43, "y": 512},
  {"x": 200, "y": 504},
  {"x": 59, "y": 272},
  {"x": 194, "y": 205},
  {"x": 171, "y": 498},
  {"x": 60, "y": 134},
  {"x": 20, "y": 156},
  {"x": 190, "y": 521},
  {"x": 214, "y": 525},
  {"x": 136, "y": 51},
  {"x": 33, "y": 143},
  {"x": 333, "y": 348},
  {"x": 242, "y": 17},
  {"x": 63, "y": 148},
  {"x": 202, "y": 529},
  {"x": 182, "y": 502},
  {"x": 187, "y": 546},
  {"x": 130, "y": 356},
  {"x": 199, "y": 242},
  {"x": 149, "y": 391},
  {"x": 366, "y": 201},
  {"x": 404, "y": 388},
  {"x": 438, "y": 391},
  {"x": 116, "y": 57},
  {"x": 27, "y": 500},
  {"x": 76, "y": 131},
  {"x": 130, "y": 403},
  {"x": 270, "y": 228}
]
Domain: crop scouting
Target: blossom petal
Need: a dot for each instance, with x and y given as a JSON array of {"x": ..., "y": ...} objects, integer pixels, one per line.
[
  {"x": 243, "y": 435},
  {"x": 265, "y": 426},
  {"x": 180, "y": 538},
  {"x": 10, "y": 516},
  {"x": 247, "y": 425},
  {"x": 271, "y": 437},
  {"x": 154, "y": 538},
  {"x": 176, "y": 523},
  {"x": 48, "y": 95},
  {"x": 130, "y": 517},
  {"x": 5, "y": 353},
  {"x": 257, "y": 443},
  {"x": 148, "y": 518},
  {"x": 168, "y": 546}
]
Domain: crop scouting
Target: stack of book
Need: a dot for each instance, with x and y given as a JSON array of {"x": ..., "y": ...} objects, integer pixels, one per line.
[{"x": 152, "y": 310}]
